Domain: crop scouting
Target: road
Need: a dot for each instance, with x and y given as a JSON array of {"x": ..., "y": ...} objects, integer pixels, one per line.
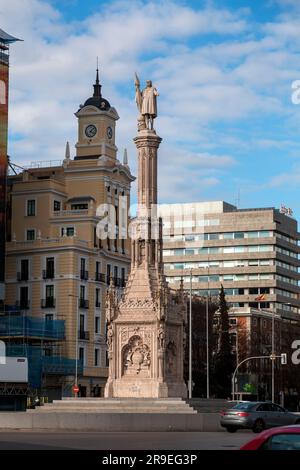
[{"x": 56, "y": 440}]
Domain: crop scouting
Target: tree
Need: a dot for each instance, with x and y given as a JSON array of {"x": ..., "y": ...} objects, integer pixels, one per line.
[
  {"x": 199, "y": 343},
  {"x": 224, "y": 359}
]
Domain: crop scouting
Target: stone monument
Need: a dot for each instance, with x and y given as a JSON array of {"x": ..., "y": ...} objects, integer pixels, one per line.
[{"x": 146, "y": 326}]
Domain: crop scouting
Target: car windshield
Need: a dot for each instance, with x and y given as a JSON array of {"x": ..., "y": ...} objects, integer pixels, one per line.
[{"x": 243, "y": 406}]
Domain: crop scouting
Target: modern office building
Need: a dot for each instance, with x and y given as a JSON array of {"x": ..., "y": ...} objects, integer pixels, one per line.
[
  {"x": 57, "y": 267},
  {"x": 252, "y": 252}
]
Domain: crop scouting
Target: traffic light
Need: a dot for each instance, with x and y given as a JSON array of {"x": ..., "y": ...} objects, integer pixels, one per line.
[{"x": 283, "y": 358}]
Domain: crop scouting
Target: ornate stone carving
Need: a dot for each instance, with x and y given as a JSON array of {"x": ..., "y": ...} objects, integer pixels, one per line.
[
  {"x": 161, "y": 336},
  {"x": 171, "y": 353},
  {"x": 136, "y": 357}
]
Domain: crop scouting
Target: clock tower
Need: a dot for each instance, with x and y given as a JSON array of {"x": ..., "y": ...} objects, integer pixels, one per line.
[{"x": 96, "y": 128}]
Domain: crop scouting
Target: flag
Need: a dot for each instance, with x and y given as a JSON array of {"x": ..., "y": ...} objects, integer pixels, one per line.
[{"x": 261, "y": 297}]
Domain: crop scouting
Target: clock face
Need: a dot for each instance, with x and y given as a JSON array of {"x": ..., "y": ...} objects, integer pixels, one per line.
[
  {"x": 109, "y": 132},
  {"x": 91, "y": 130}
]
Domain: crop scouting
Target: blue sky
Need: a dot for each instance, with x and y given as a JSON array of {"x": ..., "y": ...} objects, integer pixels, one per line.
[{"x": 224, "y": 70}]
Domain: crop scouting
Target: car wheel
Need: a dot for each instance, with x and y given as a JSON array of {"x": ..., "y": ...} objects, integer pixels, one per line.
[
  {"x": 231, "y": 429},
  {"x": 258, "y": 426}
]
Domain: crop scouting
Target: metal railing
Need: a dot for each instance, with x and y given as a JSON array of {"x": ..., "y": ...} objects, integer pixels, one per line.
[
  {"x": 84, "y": 275},
  {"x": 83, "y": 303},
  {"x": 84, "y": 335},
  {"x": 48, "y": 274},
  {"x": 22, "y": 276},
  {"x": 48, "y": 302}
]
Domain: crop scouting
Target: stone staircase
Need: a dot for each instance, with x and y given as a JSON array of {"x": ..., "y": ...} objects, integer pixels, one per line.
[
  {"x": 211, "y": 405},
  {"x": 117, "y": 405}
]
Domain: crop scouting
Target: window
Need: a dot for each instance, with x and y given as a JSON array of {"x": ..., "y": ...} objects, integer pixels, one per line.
[
  {"x": 68, "y": 231},
  {"x": 252, "y": 234},
  {"x": 24, "y": 270},
  {"x": 49, "y": 317},
  {"x": 282, "y": 442},
  {"x": 108, "y": 273},
  {"x": 49, "y": 268},
  {"x": 30, "y": 235},
  {"x": 49, "y": 291},
  {"x": 81, "y": 323},
  {"x": 98, "y": 267},
  {"x": 24, "y": 302},
  {"x": 116, "y": 272},
  {"x": 77, "y": 207},
  {"x": 82, "y": 292},
  {"x": 31, "y": 207},
  {"x": 228, "y": 236},
  {"x": 96, "y": 358},
  {"x": 56, "y": 206},
  {"x": 81, "y": 355},
  {"x": 238, "y": 235},
  {"x": 97, "y": 324},
  {"x": 97, "y": 295},
  {"x": 253, "y": 291}
]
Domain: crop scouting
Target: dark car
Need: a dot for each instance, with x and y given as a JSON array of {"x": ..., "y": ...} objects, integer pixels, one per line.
[
  {"x": 256, "y": 416},
  {"x": 282, "y": 438}
]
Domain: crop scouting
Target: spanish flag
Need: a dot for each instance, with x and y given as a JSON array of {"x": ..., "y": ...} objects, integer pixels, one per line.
[{"x": 261, "y": 297}]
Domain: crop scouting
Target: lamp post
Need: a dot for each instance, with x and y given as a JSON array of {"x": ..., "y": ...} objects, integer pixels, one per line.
[
  {"x": 76, "y": 344},
  {"x": 190, "y": 339},
  {"x": 273, "y": 349},
  {"x": 207, "y": 334}
]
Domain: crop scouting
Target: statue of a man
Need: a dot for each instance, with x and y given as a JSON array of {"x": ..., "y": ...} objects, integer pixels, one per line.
[{"x": 146, "y": 102}]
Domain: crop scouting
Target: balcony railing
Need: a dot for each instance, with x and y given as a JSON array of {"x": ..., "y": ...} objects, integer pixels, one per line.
[
  {"x": 22, "y": 276},
  {"x": 84, "y": 335},
  {"x": 23, "y": 304},
  {"x": 48, "y": 274},
  {"x": 100, "y": 277},
  {"x": 83, "y": 303},
  {"x": 97, "y": 304},
  {"x": 84, "y": 274},
  {"x": 117, "y": 281},
  {"x": 48, "y": 302}
]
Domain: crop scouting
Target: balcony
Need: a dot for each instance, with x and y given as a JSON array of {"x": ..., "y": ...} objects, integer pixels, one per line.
[
  {"x": 23, "y": 304},
  {"x": 48, "y": 274},
  {"x": 84, "y": 335},
  {"x": 22, "y": 276},
  {"x": 97, "y": 304},
  {"x": 48, "y": 302},
  {"x": 83, "y": 303},
  {"x": 117, "y": 281},
  {"x": 84, "y": 275},
  {"x": 100, "y": 277},
  {"x": 16, "y": 326}
]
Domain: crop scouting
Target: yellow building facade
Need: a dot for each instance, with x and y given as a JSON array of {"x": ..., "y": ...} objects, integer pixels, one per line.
[{"x": 57, "y": 266}]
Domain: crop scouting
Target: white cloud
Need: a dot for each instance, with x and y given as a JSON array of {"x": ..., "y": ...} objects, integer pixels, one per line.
[{"x": 231, "y": 78}]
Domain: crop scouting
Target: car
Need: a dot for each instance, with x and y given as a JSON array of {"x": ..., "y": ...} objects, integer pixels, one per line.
[
  {"x": 257, "y": 416},
  {"x": 280, "y": 438}
]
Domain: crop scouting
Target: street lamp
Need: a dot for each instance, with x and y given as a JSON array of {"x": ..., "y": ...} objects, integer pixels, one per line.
[
  {"x": 190, "y": 338},
  {"x": 273, "y": 349},
  {"x": 76, "y": 345},
  {"x": 207, "y": 334}
]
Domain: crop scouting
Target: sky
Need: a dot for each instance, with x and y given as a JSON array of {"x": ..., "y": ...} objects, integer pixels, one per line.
[{"x": 224, "y": 70}]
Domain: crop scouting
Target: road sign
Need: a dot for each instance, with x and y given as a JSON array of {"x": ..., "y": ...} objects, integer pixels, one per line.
[
  {"x": 283, "y": 358},
  {"x": 75, "y": 389}
]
